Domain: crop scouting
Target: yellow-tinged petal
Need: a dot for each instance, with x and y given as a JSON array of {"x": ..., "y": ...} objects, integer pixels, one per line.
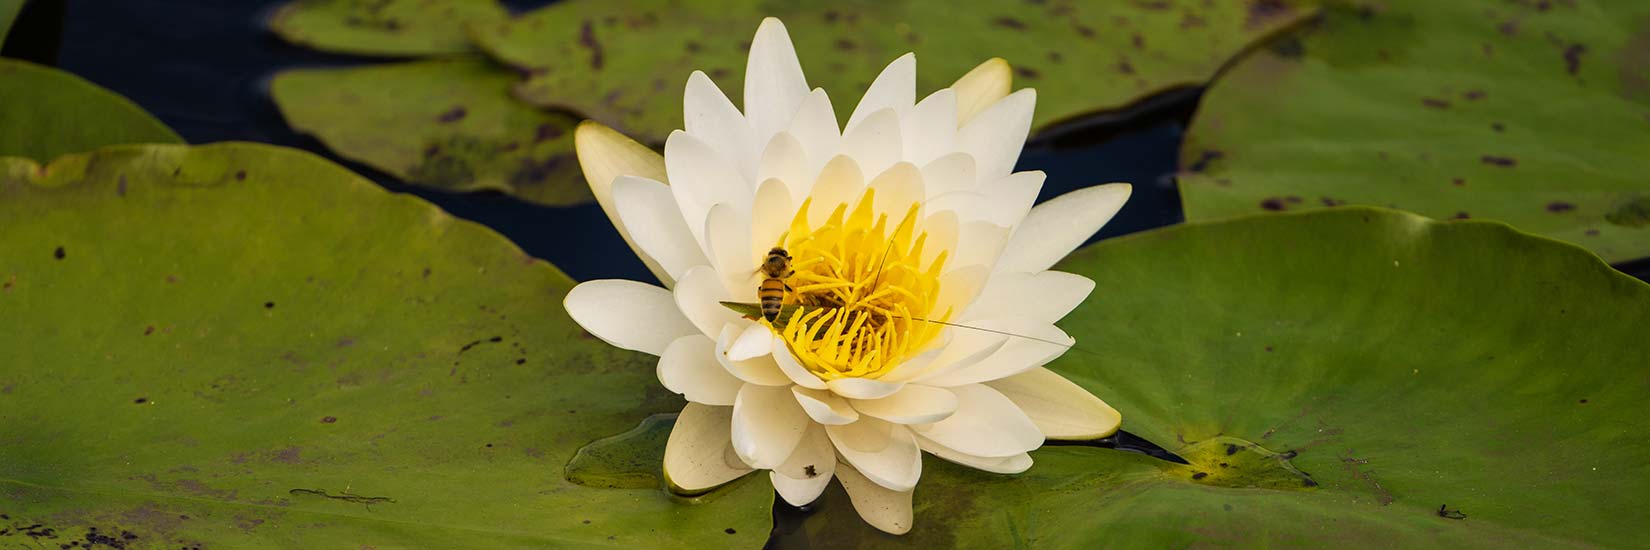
[
  {"x": 1060, "y": 408},
  {"x": 982, "y": 86},
  {"x": 884, "y": 509},
  {"x": 604, "y": 155},
  {"x": 699, "y": 455}
]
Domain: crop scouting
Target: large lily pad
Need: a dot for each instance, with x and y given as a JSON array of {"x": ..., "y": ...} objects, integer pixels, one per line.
[
  {"x": 1532, "y": 113},
  {"x": 1343, "y": 378},
  {"x": 8, "y": 15},
  {"x": 247, "y": 346},
  {"x": 45, "y": 112},
  {"x": 624, "y": 63},
  {"x": 448, "y": 124},
  {"x": 384, "y": 27}
]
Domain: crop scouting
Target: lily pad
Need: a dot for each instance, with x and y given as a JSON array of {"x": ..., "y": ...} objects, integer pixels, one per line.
[
  {"x": 1348, "y": 378},
  {"x": 448, "y": 124},
  {"x": 624, "y": 63},
  {"x": 1532, "y": 113},
  {"x": 243, "y": 345},
  {"x": 48, "y": 112},
  {"x": 403, "y": 28},
  {"x": 8, "y": 15}
]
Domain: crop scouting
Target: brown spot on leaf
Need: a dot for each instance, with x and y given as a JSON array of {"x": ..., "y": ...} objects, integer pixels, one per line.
[
  {"x": 1473, "y": 95},
  {"x": 587, "y": 38},
  {"x": 454, "y": 114},
  {"x": 1560, "y": 206},
  {"x": 1458, "y": 182},
  {"x": 1273, "y": 204},
  {"x": 59, "y": 253},
  {"x": 1204, "y": 158},
  {"x": 329, "y": 419},
  {"x": 1009, "y": 23},
  {"x": 1493, "y": 160},
  {"x": 1572, "y": 58},
  {"x": 1435, "y": 103},
  {"x": 1027, "y": 72}
]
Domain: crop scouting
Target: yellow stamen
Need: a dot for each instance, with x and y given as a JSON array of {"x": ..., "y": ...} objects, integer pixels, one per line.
[{"x": 861, "y": 283}]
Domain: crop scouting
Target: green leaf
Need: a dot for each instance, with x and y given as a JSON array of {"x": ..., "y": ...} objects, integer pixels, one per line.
[
  {"x": 448, "y": 124},
  {"x": 48, "y": 112},
  {"x": 1411, "y": 369},
  {"x": 384, "y": 27},
  {"x": 248, "y": 346},
  {"x": 624, "y": 64},
  {"x": 1532, "y": 113}
]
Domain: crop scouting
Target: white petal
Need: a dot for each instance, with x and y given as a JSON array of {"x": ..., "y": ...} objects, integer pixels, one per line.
[
  {"x": 884, "y": 452},
  {"x": 792, "y": 368},
  {"x": 689, "y": 367},
  {"x": 709, "y": 116},
  {"x": 942, "y": 230},
  {"x": 913, "y": 404},
  {"x": 771, "y": 216},
  {"x": 968, "y": 347},
  {"x": 699, "y": 296},
  {"x": 986, "y": 424},
  {"x": 895, "y": 88},
  {"x": 949, "y": 173},
  {"x": 839, "y": 182},
  {"x": 759, "y": 370},
  {"x": 1012, "y": 464},
  {"x": 994, "y": 137},
  {"x": 863, "y": 388},
  {"x": 656, "y": 225},
  {"x": 1058, "y": 226},
  {"x": 1059, "y": 408},
  {"x": 958, "y": 288},
  {"x": 886, "y": 510},
  {"x": 699, "y": 454},
  {"x": 1033, "y": 344},
  {"x": 805, "y": 474},
  {"x": 1013, "y": 196},
  {"x": 930, "y": 129},
  {"x": 767, "y": 425},
  {"x": 875, "y": 142},
  {"x": 913, "y": 366},
  {"x": 627, "y": 314},
  {"x": 785, "y": 159},
  {"x": 774, "y": 83},
  {"x": 897, "y": 188},
  {"x": 728, "y": 245},
  {"x": 815, "y": 128},
  {"x": 1047, "y": 296},
  {"x": 984, "y": 85},
  {"x": 755, "y": 341},
  {"x": 700, "y": 177},
  {"x": 605, "y": 154},
  {"x": 979, "y": 243},
  {"x": 825, "y": 407}
]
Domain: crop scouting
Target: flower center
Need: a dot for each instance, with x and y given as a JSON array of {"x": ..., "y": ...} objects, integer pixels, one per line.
[{"x": 866, "y": 294}]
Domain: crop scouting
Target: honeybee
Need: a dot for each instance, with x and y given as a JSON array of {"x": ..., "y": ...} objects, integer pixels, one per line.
[{"x": 771, "y": 294}]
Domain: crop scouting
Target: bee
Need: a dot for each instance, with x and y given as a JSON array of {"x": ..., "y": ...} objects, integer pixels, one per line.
[{"x": 771, "y": 294}]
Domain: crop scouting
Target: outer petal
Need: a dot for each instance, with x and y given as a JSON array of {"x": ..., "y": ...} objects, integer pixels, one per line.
[
  {"x": 948, "y": 173},
  {"x": 701, "y": 177},
  {"x": 895, "y": 88},
  {"x": 930, "y": 129},
  {"x": 774, "y": 83},
  {"x": 981, "y": 87},
  {"x": 605, "y": 154},
  {"x": 825, "y": 407},
  {"x": 994, "y": 137},
  {"x": 913, "y": 404},
  {"x": 1013, "y": 464},
  {"x": 771, "y": 217},
  {"x": 767, "y": 425},
  {"x": 1013, "y": 195},
  {"x": 656, "y": 225},
  {"x": 875, "y": 143},
  {"x": 755, "y": 341},
  {"x": 728, "y": 245},
  {"x": 815, "y": 128},
  {"x": 986, "y": 424},
  {"x": 1045, "y": 297},
  {"x": 699, "y": 296},
  {"x": 805, "y": 474},
  {"x": 1033, "y": 344},
  {"x": 885, "y": 509},
  {"x": 1060, "y": 408},
  {"x": 1060, "y": 225},
  {"x": 627, "y": 314},
  {"x": 699, "y": 454},
  {"x": 709, "y": 116},
  {"x": 689, "y": 367},
  {"x": 885, "y": 453},
  {"x": 863, "y": 388}
]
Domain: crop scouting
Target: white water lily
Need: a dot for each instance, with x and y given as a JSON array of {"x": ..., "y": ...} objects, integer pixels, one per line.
[{"x": 918, "y": 255}]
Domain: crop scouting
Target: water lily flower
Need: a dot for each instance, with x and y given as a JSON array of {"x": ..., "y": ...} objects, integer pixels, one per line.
[{"x": 927, "y": 308}]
